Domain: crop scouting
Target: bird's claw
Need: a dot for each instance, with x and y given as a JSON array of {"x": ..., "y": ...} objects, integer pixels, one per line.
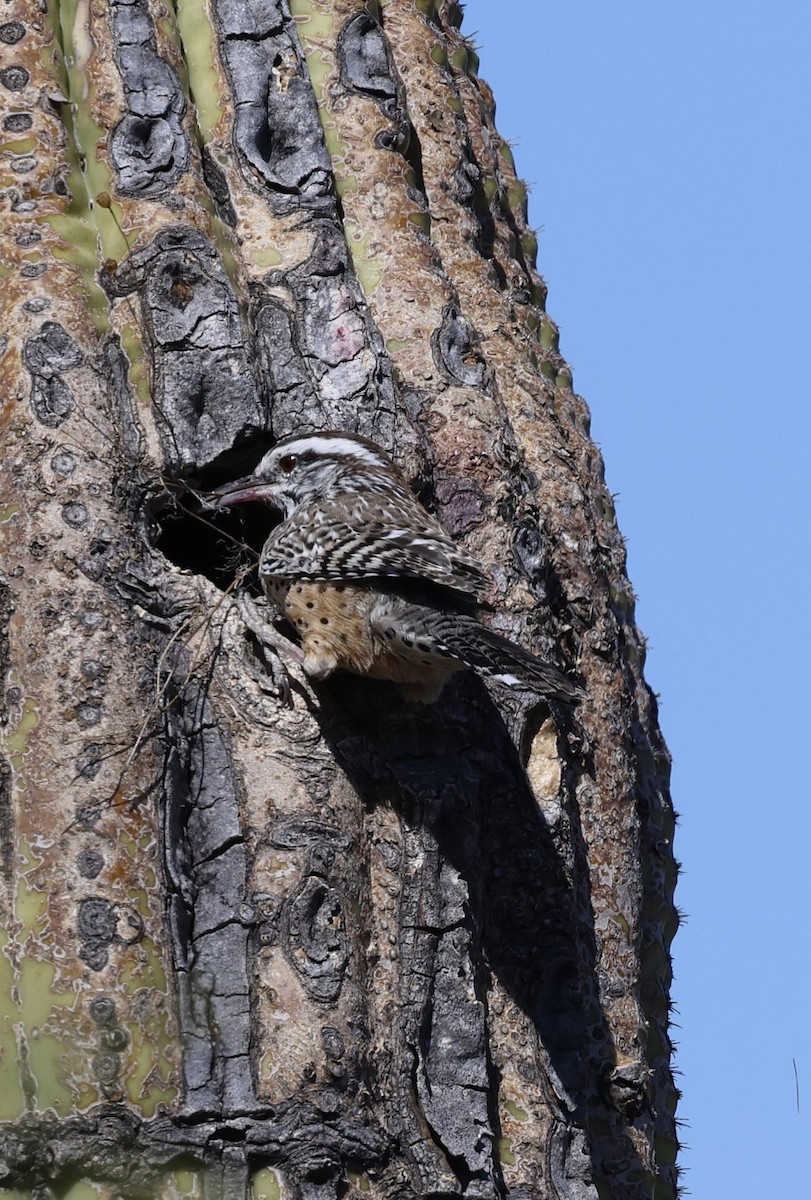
[
  {"x": 272, "y": 645},
  {"x": 280, "y": 678}
]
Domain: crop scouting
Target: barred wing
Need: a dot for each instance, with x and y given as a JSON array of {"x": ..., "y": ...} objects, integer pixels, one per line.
[
  {"x": 369, "y": 536},
  {"x": 420, "y": 634}
]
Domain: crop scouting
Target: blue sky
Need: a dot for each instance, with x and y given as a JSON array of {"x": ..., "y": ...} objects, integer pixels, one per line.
[{"x": 668, "y": 149}]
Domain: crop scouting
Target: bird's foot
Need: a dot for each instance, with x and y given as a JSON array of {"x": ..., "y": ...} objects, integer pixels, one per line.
[{"x": 272, "y": 645}]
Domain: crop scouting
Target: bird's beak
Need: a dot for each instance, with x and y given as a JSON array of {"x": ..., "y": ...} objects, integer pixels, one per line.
[{"x": 241, "y": 491}]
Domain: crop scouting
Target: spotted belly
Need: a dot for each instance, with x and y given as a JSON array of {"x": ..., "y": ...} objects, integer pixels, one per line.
[{"x": 334, "y": 622}]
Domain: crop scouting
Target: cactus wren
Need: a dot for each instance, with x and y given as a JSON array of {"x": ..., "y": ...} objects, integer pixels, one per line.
[{"x": 370, "y": 581}]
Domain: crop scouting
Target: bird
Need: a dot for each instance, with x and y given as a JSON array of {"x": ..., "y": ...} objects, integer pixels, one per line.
[{"x": 369, "y": 580}]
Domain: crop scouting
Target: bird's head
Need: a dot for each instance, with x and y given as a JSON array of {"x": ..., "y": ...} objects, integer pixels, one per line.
[{"x": 300, "y": 468}]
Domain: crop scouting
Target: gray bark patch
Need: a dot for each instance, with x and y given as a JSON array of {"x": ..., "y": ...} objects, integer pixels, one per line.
[
  {"x": 204, "y": 391},
  {"x": 11, "y": 32},
  {"x": 46, "y": 356},
  {"x": 292, "y": 835},
  {"x": 321, "y": 354},
  {"x": 316, "y": 943},
  {"x": 277, "y": 131},
  {"x": 63, "y": 463},
  {"x": 309, "y": 1140},
  {"x": 96, "y": 925},
  {"x": 366, "y": 64},
  {"x": 148, "y": 147},
  {"x": 367, "y": 67},
  {"x": 89, "y": 863},
  {"x": 14, "y": 79},
  {"x": 6, "y": 822},
  {"x": 117, "y": 363},
  {"x": 18, "y": 122},
  {"x": 456, "y": 350},
  {"x": 210, "y": 912},
  {"x": 6, "y": 610},
  {"x": 217, "y": 183}
]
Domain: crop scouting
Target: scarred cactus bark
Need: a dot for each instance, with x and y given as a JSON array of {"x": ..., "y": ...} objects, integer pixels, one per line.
[{"x": 351, "y": 946}]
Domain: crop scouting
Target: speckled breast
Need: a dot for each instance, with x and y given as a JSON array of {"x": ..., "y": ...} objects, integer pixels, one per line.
[{"x": 331, "y": 619}]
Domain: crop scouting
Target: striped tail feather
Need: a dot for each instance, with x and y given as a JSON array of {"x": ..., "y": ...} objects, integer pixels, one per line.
[
  {"x": 500, "y": 659},
  {"x": 460, "y": 636}
]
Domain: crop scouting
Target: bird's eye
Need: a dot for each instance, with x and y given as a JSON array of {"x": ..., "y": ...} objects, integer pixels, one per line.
[{"x": 288, "y": 463}]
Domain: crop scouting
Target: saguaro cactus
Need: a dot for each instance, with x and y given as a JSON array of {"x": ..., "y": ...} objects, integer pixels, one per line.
[{"x": 352, "y": 945}]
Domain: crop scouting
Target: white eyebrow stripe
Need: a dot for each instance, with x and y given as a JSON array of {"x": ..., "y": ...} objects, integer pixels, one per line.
[{"x": 344, "y": 447}]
